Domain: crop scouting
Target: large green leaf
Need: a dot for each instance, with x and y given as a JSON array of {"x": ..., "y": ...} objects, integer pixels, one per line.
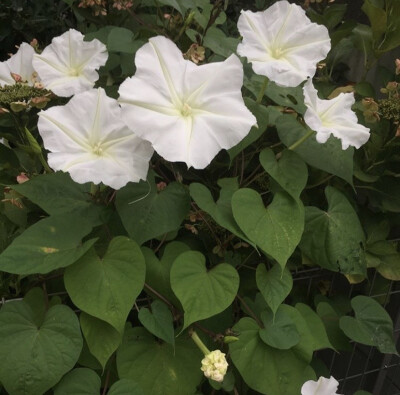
[
  {"x": 172, "y": 370},
  {"x": 276, "y": 229},
  {"x": 279, "y": 330},
  {"x": 35, "y": 357},
  {"x": 125, "y": 387},
  {"x": 147, "y": 213},
  {"x": 82, "y": 381},
  {"x": 56, "y": 193},
  {"x": 315, "y": 326},
  {"x": 253, "y": 358},
  {"x": 328, "y": 157},
  {"x": 102, "y": 338},
  {"x": 290, "y": 172},
  {"x": 330, "y": 319},
  {"x": 371, "y": 325},
  {"x": 274, "y": 285},
  {"x": 202, "y": 293},
  {"x": 158, "y": 271},
  {"x": 333, "y": 239},
  {"x": 158, "y": 321},
  {"x": 220, "y": 211},
  {"x": 107, "y": 288},
  {"x": 47, "y": 245}
]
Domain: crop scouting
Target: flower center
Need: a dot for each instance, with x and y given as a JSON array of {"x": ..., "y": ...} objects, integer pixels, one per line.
[
  {"x": 97, "y": 150},
  {"x": 186, "y": 110},
  {"x": 74, "y": 72},
  {"x": 277, "y": 53}
]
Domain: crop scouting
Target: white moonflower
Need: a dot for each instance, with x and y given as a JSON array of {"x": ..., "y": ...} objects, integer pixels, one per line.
[
  {"x": 333, "y": 116},
  {"x": 188, "y": 112},
  {"x": 68, "y": 65},
  {"x": 321, "y": 387},
  {"x": 214, "y": 365},
  {"x": 87, "y": 139},
  {"x": 282, "y": 43},
  {"x": 19, "y": 64}
]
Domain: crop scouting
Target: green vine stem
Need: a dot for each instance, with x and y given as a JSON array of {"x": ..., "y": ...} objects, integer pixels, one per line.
[
  {"x": 199, "y": 343},
  {"x": 262, "y": 90}
]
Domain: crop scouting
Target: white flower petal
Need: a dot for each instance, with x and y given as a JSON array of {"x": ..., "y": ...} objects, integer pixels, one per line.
[
  {"x": 21, "y": 64},
  {"x": 282, "y": 43},
  {"x": 334, "y": 117},
  {"x": 87, "y": 138},
  {"x": 188, "y": 112},
  {"x": 68, "y": 65},
  {"x": 323, "y": 386}
]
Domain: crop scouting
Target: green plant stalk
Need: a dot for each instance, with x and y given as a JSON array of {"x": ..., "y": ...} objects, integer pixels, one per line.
[
  {"x": 262, "y": 90},
  {"x": 301, "y": 140},
  {"x": 37, "y": 149},
  {"x": 199, "y": 343}
]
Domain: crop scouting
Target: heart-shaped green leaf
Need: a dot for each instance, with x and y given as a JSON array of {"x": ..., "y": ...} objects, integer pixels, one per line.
[
  {"x": 158, "y": 271},
  {"x": 202, "y": 293},
  {"x": 328, "y": 157},
  {"x": 279, "y": 330},
  {"x": 37, "y": 356},
  {"x": 146, "y": 213},
  {"x": 290, "y": 172},
  {"x": 372, "y": 325},
  {"x": 333, "y": 239},
  {"x": 47, "y": 245},
  {"x": 252, "y": 357},
  {"x": 315, "y": 326},
  {"x": 220, "y": 211},
  {"x": 107, "y": 288},
  {"x": 102, "y": 338},
  {"x": 125, "y": 387},
  {"x": 274, "y": 284},
  {"x": 175, "y": 370},
  {"x": 158, "y": 321},
  {"x": 276, "y": 229},
  {"x": 82, "y": 381}
]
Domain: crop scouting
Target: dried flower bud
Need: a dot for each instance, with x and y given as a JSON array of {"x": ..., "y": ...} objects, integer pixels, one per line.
[
  {"x": 161, "y": 186},
  {"x": 195, "y": 53},
  {"x": 16, "y": 77},
  {"x": 214, "y": 365},
  {"x": 21, "y": 178},
  {"x": 397, "y": 63}
]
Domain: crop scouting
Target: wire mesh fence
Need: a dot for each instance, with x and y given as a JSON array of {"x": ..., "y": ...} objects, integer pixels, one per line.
[{"x": 364, "y": 367}]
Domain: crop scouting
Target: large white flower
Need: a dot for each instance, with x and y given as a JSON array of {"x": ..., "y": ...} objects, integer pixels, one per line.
[
  {"x": 282, "y": 43},
  {"x": 19, "y": 64},
  {"x": 333, "y": 116},
  {"x": 68, "y": 65},
  {"x": 87, "y": 139},
  {"x": 321, "y": 387},
  {"x": 188, "y": 112}
]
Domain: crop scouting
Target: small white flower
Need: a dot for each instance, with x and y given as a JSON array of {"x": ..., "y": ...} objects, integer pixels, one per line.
[
  {"x": 87, "y": 139},
  {"x": 188, "y": 112},
  {"x": 19, "y": 64},
  {"x": 321, "y": 387},
  {"x": 214, "y": 365},
  {"x": 282, "y": 43},
  {"x": 335, "y": 117},
  {"x": 68, "y": 65}
]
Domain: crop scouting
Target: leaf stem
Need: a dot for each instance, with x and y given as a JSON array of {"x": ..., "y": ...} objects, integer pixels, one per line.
[
  {"x": 199, "y": 343},
  {"x": 301, "y": 140},
  {"x": 262, "y": 90}
]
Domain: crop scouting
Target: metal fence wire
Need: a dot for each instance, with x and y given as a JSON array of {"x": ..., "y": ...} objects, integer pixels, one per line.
[{"x": 364, "y": 367}]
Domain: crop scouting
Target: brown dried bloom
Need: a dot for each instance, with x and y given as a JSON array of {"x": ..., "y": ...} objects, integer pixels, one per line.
[
  {"x": 195, "y": 53},
  {"x": 98, "y": 6},
  {"x": 122, "y": 4}
]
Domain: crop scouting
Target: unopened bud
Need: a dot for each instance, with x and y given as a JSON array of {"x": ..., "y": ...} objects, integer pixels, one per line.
[
  {"x": 214, "y": 365},
  {"x": 21, "y": 178}
]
